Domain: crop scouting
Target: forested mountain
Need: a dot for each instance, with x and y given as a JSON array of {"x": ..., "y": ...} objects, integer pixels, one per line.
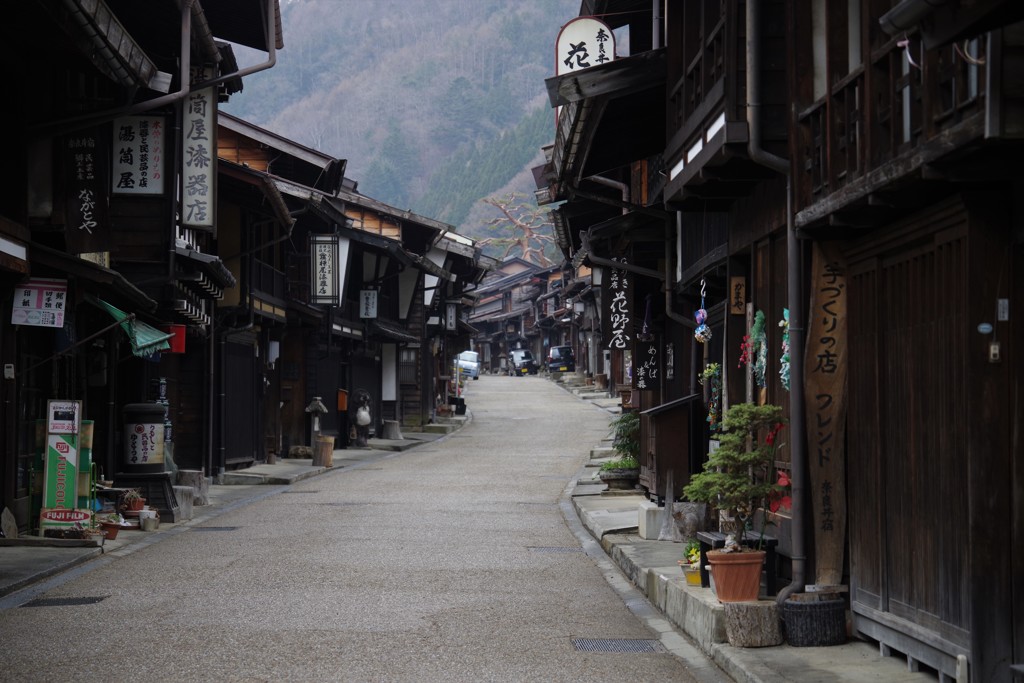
[{"x": 435, "y": 105}]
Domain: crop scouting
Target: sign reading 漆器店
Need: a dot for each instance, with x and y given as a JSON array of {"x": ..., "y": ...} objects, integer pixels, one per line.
[
  {"x": 137, "y": 159},
  {"x": 199, "y": 154}
]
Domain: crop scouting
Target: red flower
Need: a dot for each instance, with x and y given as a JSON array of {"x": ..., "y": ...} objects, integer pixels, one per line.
[
  {"x": 770, "y": 439},
  {"x": 779, "y": 497}
]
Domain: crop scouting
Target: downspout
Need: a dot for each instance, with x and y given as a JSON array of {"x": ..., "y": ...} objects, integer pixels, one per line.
[
  {"x": 184, "y": 75},
  {"x": 798, "y": 451},
  {"x": 656, "y": 20}
]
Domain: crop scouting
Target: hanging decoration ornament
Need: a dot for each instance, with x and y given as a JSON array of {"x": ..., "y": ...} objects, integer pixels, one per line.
[
  {"x": 711, "y": 377},
  {"x": 784, "y": 360},
  {"x": 759, "y": 341},
  {"x": 703, "y": 332}
]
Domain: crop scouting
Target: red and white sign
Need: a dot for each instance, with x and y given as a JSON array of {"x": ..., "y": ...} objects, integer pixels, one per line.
[{"x": 40, "y": 302}]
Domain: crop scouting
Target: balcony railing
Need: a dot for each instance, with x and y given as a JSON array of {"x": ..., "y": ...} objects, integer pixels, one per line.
[{"x": 876, "y": 115}]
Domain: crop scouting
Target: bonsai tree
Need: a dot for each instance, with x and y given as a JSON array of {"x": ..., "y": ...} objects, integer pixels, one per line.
[{"x": 737, "y": 475}]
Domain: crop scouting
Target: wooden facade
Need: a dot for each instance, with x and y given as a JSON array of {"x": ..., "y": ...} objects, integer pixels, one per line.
[{"x": 884, "y": 133}]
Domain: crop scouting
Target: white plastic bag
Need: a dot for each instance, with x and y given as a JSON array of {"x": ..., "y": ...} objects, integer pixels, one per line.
[{"x": 363, "y": 416}]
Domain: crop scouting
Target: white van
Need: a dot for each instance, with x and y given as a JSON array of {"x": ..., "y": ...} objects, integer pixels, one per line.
[{"x": 468, "y": 363}]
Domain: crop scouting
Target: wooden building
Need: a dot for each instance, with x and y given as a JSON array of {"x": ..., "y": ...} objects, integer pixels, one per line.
[
  {"x": 107, "y": 115},
  {"x": 846, "y": 170}
]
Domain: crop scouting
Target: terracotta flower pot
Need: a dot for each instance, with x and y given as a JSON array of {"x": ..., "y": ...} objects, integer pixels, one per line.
[
  {"x": 110, "y": 530},
  {"x": 737, "y": 575}
]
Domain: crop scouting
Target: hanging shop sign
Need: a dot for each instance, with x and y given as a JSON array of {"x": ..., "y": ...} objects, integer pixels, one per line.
[
  {"x": 647, "y": 365},
  {"x": 582, "y": 43},
  {"x": 40, "y": 302},
  {"x": 825, "y": 370},
  {"x": 451, "y": 317},
  {"x": 368, "y": 303},
  {"x": 87, "y": 225},
  {"x": 618, "y": 308},
  {"x": 199, "y": 154},
  {"x": 329, "y": 259},
  {"x": 138, "y": 156}
]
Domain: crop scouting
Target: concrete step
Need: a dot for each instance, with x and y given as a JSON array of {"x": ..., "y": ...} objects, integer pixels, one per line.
[
  {"x": 440, "y": 428},
  {"x": 602, "y": 452}
]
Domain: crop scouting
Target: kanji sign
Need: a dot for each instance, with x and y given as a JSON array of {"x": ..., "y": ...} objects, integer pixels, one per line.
[
  {"x": 138, "y": 155},
  {"x": 582, "y": 43},
  {"x": 40, "y": 302},
  {"x": 199, "y": 155}
]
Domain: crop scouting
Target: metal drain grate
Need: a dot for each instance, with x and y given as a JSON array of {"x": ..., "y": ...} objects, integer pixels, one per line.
[
  {"x": 215, "y": 528},
  {"x": 555, "y": 549},
  {"x": 341, "y": 505},
  {"x": 300, "y": 492},
  {"x": 616, "y": 645},
  {"x": 65, "y": 602}
]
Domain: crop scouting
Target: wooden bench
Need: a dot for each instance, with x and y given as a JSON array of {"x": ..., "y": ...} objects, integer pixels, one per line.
[{"x": 710, "y": 540}]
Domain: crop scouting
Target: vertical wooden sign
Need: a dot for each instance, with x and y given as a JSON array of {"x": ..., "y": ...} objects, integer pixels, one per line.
[{"x": 825, "y": 375}]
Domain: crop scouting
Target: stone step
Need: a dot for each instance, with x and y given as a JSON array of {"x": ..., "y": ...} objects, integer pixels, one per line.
[
  {"x": 602, "y": 452},
  {"x": 440, "y": 428}
]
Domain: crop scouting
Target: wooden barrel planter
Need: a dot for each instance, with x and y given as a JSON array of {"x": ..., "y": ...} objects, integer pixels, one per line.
[{"x": 818, "y": 623}]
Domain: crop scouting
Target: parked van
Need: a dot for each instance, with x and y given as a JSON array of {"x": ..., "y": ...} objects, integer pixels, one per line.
[{"x": 468, "y": 363}]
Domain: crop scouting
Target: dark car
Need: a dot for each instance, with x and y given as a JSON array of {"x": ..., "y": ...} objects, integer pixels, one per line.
[
  {"x": 561, "y": 359},
  {"x": 521, "y": 362}
]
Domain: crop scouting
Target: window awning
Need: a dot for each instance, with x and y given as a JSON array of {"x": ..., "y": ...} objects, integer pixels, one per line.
[{"x": 146, "y": 340}]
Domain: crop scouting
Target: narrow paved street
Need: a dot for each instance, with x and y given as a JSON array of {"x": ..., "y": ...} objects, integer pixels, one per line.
[{"x": 452, "y": 562}]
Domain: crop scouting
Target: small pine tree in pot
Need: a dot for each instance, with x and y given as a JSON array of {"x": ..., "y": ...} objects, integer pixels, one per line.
[
  {"x": 736, "y": 481},
  {"x": 737, "y": 475}
]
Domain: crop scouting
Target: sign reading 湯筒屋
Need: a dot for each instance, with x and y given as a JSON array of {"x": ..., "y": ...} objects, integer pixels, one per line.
[
  {"x": 138, "y": 155},
  {"x": 40, "y": 302},
  {"x": 825, "y": 373},
  {"x": 199, "y": 154}
]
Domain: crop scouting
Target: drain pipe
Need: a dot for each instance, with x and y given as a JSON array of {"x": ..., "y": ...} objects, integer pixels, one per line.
[
  {"x": 94, "y": 118},
  {"x": 798, "y": 451}
]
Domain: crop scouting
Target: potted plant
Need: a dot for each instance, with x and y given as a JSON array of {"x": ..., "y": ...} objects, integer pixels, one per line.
[
  {"x": 690, "y": 564},
  {"x": 737, "y": 480},
  {"x": 132, "y": 500},
  {"x": 623, "y": 473},
  {"x": 111, "y": 524}
]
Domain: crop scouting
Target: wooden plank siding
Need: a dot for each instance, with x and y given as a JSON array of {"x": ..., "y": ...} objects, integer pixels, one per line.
[
  {"x": 929, "y": 465},
  {"x": 241, "y": 150}
]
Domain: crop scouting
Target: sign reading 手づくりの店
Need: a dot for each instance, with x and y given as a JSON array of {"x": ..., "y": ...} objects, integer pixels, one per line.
[
  {"x": 40, "y": 302},
  {"x": 138, "y": 155}
]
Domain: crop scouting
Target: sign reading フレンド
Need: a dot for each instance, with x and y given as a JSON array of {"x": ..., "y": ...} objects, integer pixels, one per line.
[{"x": 825, "y": 371}]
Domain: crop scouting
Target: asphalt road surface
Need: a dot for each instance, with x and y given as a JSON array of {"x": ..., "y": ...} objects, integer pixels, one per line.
[{"x": 449, "y": 562}]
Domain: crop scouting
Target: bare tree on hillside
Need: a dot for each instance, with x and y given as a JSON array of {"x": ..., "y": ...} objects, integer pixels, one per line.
[{"x": 527, "y": 226}]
